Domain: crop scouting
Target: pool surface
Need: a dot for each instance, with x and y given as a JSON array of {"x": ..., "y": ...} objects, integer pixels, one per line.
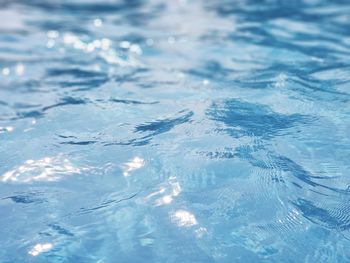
[{"x": 174, "y": 131}]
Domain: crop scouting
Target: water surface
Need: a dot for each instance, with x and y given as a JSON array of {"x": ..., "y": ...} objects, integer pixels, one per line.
[{"x": 174, "y": 131}]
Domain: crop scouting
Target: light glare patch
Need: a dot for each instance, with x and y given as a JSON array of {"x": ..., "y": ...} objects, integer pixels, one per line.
[
  {"x": 40, "y": 248},
  {"x": 134, "y": 164},
  {"x": 184, "y": 218}
]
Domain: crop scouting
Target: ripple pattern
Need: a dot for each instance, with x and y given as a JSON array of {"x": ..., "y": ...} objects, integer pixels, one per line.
[{"x": 174, "y": 131}]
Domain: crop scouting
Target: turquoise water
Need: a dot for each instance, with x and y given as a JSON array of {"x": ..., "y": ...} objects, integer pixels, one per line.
[{"x": 174, "y": 131}]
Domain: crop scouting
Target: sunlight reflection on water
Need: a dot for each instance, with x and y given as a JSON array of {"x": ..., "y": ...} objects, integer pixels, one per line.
[{"x": 46, "y": 169}]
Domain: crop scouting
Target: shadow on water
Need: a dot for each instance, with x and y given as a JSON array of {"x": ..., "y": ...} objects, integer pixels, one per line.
[{"x": 246, "y": 119}]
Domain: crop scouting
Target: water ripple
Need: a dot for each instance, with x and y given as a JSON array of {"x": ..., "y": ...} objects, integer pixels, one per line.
[{"x": 174, "y": 131}]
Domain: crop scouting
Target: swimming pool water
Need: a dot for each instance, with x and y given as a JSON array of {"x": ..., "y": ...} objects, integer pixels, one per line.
[{"x": 174, "y": 131}]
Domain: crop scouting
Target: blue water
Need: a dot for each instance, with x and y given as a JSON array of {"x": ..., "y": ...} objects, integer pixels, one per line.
[{"x": 174, "y": 131}]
